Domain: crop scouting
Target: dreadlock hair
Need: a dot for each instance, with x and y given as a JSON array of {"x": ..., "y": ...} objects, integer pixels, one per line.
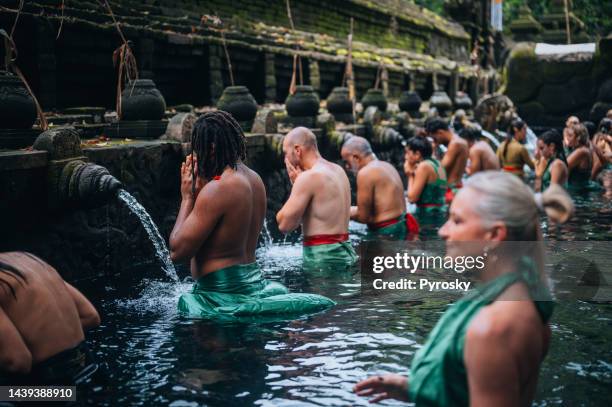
[
  {"x": 218, "y": 142},
  {"x": 552, "y": 136}
]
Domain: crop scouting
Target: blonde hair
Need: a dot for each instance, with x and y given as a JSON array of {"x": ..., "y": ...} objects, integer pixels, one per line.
[{"x": 505, "y": 198}]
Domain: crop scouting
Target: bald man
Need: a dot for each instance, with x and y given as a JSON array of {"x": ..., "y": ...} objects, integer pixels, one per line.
[
  {"x": 380, "y": 192},
  {"x": 320, "y": 201}
]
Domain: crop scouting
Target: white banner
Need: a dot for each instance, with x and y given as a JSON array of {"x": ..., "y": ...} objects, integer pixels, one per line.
[{"x": 497, "y": 15}]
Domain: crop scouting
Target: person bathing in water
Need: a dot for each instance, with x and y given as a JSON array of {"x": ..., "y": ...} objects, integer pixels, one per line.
[
  {"x": 456, "y": 155},
  {"x": 481, "y": 155},
  {"x": 43, "y": 320},
  {"x": 426, "y": 177},
  {"x": 222, "y": 212},
  {"x": 479, "y": 352},
  {"x": 580, "y": 160},
  {"x": 380, "y": 192},
  {"x": 551, "y": 167},
  {"x": 512, "y": 154},
  {"x": 320, "y": 201}
]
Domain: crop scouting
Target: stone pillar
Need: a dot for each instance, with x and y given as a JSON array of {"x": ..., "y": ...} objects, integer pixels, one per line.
[
  {"x": 315, "y": 76},
  {"x": 453, "y": 86},
  {"x": 270, "y": 78},
  {"x": 215, "y": 63},
  {"x": 47, "y": 64},
  {"x": 384, "y": 79}
]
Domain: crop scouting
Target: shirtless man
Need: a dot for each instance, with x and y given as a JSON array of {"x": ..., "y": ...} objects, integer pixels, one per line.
[
  {"x": 42, "y": 324},
  {"x": 482, "y": 157},
  {"x": 456, "y": 156},
  {"x": 380, "y": 191},
  {"x": 221, "y": 215},
  {"x": 320, "y": 201}
]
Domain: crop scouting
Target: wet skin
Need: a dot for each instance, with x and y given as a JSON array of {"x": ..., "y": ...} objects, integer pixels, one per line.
[
  {"x": 218, "y": 226},
  {"x": 45, "y": 317}
]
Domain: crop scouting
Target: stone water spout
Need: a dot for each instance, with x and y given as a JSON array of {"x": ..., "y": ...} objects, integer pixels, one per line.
[{"x": 73, "y": 182}]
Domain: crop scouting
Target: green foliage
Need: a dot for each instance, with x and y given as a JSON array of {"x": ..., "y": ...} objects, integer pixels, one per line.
[
  {"x": 596, "y": 14},
  {"x": 437, "y": 6}
]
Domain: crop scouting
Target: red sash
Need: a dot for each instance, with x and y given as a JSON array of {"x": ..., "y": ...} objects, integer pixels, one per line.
[
  {"x": 217, "y": 177},
  {"x": 450, "y": 195},
  {"x": 317, "y": 240},
  {"x": 512, "y": 168},
  {"x": 412, "y": 226}
]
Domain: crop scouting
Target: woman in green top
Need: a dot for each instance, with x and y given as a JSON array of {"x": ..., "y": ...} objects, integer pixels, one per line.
[
  {"x": 487, "y": 348},
  {"x": 551, "y": 167},
  {"x": 426, "y": 177},
  {"x": 512, "y": 154}
]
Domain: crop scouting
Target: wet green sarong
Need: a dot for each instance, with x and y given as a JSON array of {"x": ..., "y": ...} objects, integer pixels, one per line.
[
  {"x": 438, "y": 375},
  {"x": 332, "y": 254},
  {"x": 241, "y": 291}
]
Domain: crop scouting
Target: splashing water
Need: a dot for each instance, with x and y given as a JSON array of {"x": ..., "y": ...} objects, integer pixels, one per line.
[
  {"x": 161, "y": 250},
  {"x": 265, "y": 232}
]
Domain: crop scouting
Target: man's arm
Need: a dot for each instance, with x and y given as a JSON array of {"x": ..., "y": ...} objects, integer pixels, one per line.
[
  {"x": 15, "y": 357},
  {"x": 450, "y": 157},
  {"x": 194, "y": 226},
  {"x": 365, "y": 197},
  {"x": 87, "y": 312},
  {"x": 290, "y": 215}
]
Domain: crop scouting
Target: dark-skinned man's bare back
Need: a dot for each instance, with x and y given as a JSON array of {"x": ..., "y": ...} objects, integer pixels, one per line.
[{"x": 41, "y": 315}]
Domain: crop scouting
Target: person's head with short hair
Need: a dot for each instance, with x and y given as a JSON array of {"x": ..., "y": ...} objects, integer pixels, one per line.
[
  {"x": 418, "y": 149},
  {"x": 217, "y": 142},
  {"x": 577, "y": 136},
  {"x": 437, "y": 128},
  {"x": 356, "y": 153},
  {"x": 300, "y": 148},
  {"x": 471, "y": 134}
]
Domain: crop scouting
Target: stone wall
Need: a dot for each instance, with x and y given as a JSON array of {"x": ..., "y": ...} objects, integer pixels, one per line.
[
  {"x": 109, "y": 239},
  {"x": 548, "y": 88},
  {"x": 187, "y": 63}
]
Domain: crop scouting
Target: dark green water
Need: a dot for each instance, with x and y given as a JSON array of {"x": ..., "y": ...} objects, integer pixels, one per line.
[{"x": 154, "y": 357}]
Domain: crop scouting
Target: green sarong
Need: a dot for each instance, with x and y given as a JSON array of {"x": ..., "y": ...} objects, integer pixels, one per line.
[
  {"x": 339, "y": 254},
  {"x": 241, "y": 291},
  {"x": 438, "y": 375}
]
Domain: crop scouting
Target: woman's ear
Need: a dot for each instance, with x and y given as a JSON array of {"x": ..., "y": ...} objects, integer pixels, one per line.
[{"x": 497, "y": 233}]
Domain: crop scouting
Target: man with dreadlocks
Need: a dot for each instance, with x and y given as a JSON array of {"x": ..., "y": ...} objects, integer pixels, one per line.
[
  {"x": 320, "y": 201},
  {"x": 221, "y": 215},
  {"x": 42, "y": 323}
]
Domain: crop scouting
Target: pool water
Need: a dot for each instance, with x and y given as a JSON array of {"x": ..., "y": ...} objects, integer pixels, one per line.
[{"x": 154, "y": 357}]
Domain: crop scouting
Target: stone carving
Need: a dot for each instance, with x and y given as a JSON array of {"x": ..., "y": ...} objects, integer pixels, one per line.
[
  {"x": 238, "y": 101},
  {"x": 140, "y": 100},
  {"x": 304, "y": 103},
  {"x": 374, "y": 97},
  {"x": 17, "y": 108}
]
